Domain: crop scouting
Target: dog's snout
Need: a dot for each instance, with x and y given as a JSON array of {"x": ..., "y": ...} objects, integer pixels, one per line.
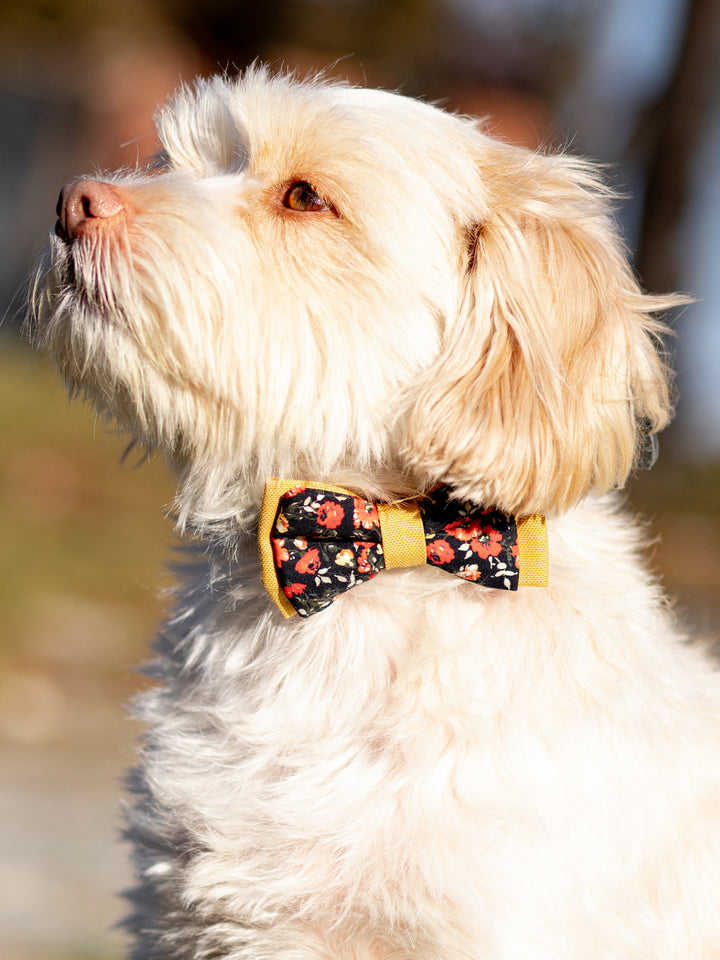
[{"x": 87, "y": 204}]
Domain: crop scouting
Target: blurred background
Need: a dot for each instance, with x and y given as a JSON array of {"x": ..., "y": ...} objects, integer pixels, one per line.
[{"x": 84, "y": 539}]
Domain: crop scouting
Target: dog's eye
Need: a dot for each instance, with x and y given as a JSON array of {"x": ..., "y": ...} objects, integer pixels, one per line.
[
  {"x": 159, "y": 162},
  {"x": 302, "y": 198}
]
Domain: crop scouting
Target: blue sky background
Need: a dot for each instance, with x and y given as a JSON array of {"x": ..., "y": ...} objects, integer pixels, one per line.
[{"x": 628, "y": 62}]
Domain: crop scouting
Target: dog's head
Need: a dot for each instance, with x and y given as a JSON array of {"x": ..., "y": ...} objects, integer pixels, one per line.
[{"x": 330, "y": 282}]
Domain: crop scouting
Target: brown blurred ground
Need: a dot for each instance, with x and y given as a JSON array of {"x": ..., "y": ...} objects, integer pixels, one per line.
[{"x": 84, "y": 540}]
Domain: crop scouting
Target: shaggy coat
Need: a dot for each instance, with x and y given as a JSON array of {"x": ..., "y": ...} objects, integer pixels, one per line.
[{"x": 337, "y": 284}]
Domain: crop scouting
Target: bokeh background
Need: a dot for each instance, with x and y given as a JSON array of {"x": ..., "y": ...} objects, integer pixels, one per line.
[{"x": 83, "y": 535}]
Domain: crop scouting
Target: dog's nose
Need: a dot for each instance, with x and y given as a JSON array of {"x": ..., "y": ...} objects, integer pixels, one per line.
[{"x": 84, "y": 205}]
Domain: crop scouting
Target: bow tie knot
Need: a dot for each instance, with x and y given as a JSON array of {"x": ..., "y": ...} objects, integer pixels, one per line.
[{"x": 317, "y": 542}]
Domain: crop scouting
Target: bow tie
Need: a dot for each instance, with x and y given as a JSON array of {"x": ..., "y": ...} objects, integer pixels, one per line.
[{"x": 317, "y": 542}]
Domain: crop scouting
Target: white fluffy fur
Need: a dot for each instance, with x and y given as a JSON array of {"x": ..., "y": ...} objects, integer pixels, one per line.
[{"x": 428, "y": 769}]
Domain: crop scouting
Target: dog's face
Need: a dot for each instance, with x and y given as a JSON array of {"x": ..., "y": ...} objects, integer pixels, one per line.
[{"x": 323, "y": 281}]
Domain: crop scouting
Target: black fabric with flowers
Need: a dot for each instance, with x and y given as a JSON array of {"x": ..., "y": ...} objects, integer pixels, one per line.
[
  {"x": 469, "y": 541},
  {"x": 325, "y": 543}
]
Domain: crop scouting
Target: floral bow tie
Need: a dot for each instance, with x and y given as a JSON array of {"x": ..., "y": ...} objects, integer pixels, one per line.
[{"x": 317, "y": 542}]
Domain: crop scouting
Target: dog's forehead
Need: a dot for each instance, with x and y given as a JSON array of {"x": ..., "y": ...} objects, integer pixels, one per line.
[
  {"x": 300, "y": 126},
  {"x": 276, "y": 125},
  {"x": 340, "y": 128},
  {"x": 316, "y": 105}
]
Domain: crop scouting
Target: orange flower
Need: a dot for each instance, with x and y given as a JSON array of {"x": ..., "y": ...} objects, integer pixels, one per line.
[
  {"x": 488, "y": 543},
  {"x": 281, "y": 524},
  {"x": 310, "y": 563},
  {"x": 362, "y": 562},
  {"x": 330, "y": 514},
  {"x": 440, "y": 551},
  {"x": 365, "y": 514},
  {"x": 293, "y": 589},
  {"x": 463, "y": 529},
  {"x": 345, "y": 558},
  {"x": 280, "y": 552},
  {"x": 469, "y": 572}
]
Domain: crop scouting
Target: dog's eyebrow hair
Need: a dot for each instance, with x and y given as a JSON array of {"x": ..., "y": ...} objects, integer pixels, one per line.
[{"x": 472, "y": 239}]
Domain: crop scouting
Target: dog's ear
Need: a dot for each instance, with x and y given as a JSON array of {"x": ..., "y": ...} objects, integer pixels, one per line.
[{"x": 551, "y": 371}]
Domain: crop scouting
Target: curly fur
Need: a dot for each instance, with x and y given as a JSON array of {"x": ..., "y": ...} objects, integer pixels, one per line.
[{"x": 428, "y": 768}]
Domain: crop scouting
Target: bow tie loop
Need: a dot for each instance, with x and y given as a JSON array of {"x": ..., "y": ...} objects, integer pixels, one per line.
[{"x": 318, "y": 542}]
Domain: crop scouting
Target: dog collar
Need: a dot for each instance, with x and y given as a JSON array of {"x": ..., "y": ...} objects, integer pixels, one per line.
[{"x": 317, "y": 542}]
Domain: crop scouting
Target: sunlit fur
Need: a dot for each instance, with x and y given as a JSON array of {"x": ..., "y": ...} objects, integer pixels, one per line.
[{"x": 428, "y": 769}]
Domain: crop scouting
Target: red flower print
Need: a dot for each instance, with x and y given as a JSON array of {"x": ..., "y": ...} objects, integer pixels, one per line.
[
  {"x": 515, "y": 551},
  {"x": 440, "y": 551},
  {"x": 280, "y": 552},
  {"x": 330, "y": 514},
  {"x": 294, "y": 491},
  {"x": 488, "y": 543},
  {"x": 463, "y": 529},
  {"x": 310, "y": 563},
  {"x": 469, "y": 572},
  {"x": 365, "y": 514},
  {"x": 293, "y": 589},
  {"x": 362, "y": 562}
]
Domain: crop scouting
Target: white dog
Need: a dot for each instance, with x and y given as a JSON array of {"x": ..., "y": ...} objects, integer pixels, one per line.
[{"x": 346, "y": 287}]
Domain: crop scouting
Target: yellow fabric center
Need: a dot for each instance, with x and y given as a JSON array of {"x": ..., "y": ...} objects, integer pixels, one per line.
[
  {"x": 532, "y": 550},
  {"x": 403, "y": 534}
]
